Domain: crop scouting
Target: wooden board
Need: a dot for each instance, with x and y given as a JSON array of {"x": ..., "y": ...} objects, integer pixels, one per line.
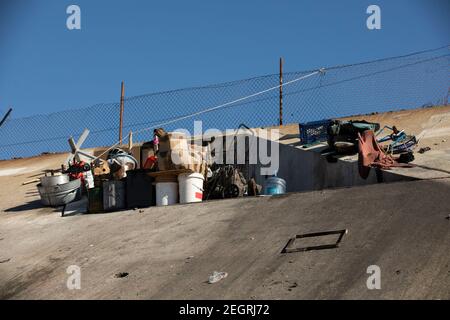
[{"x": 169, "y": 172}]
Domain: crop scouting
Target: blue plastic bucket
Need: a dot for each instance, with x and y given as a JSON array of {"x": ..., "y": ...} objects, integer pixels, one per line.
[{"x": 274, "y": 185}]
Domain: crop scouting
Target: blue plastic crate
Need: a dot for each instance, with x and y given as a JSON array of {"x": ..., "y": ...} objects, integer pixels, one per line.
[{"x": 314, "y": 131}]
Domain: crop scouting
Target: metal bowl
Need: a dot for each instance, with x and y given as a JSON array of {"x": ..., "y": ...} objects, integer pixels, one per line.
[
  {"x": 60, "y": 194},
  {"x": 49, "y": 181}
]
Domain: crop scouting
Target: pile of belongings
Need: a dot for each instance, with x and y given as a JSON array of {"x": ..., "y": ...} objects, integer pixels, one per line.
[
  {"x": 228, "y": 181},
  {"x": 358, "y": 136},
  {"x": 120, "y": 162},
  {"x": 343, "y": 135},
  {"x": 400, "y": 142},
  {"x": 81, "y": 170},
  {"x": 174, "y": 153}
]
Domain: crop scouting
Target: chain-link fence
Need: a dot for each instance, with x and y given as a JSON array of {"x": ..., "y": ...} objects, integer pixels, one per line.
[{"x": 404, "y": 82}]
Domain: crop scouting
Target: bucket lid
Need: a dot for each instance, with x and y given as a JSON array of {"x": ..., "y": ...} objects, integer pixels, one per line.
[{"x": 276, "y": 180}]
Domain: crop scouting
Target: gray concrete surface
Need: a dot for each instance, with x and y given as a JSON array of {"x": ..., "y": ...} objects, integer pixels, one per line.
[
  {"x": 307, "y": 170},
  {"x": 169, "y": 252}
]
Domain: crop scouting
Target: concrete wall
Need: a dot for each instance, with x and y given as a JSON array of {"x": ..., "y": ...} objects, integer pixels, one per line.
[{"x": 306, "y": 170}]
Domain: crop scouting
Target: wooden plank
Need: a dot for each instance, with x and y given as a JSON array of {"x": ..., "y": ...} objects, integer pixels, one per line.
[{"x": 169, "y": 172}]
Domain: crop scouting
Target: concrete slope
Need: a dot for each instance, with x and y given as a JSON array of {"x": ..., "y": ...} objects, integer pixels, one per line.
[
  {"x": 169, "y": 252},
  {"x": 430, "y": 125}
]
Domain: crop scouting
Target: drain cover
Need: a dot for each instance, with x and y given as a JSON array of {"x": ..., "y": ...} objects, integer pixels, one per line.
[{"x": 291, "y": 247}]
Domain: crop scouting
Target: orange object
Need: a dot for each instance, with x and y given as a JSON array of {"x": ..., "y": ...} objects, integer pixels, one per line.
[
  {"x": 371, "y": 155},
  {"x": 150, "y": 162}
]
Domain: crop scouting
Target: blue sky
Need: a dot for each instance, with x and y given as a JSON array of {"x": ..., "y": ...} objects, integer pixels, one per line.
[{"x": 163, "y": 45}]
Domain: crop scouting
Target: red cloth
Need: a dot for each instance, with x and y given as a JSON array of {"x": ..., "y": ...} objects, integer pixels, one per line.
[
  {"x": 371, "y": 155},
  {"x": 150, "y": 162}
]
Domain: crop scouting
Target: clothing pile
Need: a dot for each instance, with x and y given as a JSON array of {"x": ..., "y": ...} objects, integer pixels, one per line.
[{"x": 370, "y": 155}]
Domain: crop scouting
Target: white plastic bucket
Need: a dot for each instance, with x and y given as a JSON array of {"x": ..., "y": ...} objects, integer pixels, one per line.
[
  {"x": 191, "y": 187},
  {"x": 166, "y": 193}
]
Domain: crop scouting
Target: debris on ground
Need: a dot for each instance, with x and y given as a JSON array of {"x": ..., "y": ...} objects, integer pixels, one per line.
[
  {"x": 292, "y": 286},
  {"x": 349, "y": 137},
  {"x": 217, "y": 276},
  {"x": 406, "y": 157},
  {"x": 254, "y": 189},
  {"x": 425, "y": 149},
  {"x": 5, "y": 260},
  {"x": 343, "y": 136},
  {"x": 121, "y": 275},
  {"x": 226, "y": 182},
  {"x": 399, "y": 141}
]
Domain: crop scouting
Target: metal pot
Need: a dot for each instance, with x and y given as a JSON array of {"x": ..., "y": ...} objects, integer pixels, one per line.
[
  {"x": 49, "y": 181},
  {"x": 59, "y": 195}
]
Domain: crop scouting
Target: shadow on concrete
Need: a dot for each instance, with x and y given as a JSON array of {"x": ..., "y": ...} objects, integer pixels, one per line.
[
  {"x": 25, "y": 207},
  {"x": 289, "y": 136},
  {"x": 73, "y": 208}
]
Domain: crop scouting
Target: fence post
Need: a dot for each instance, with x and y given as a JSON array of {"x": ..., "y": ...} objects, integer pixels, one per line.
[
  {"x": 281, "y": 91},
  {"x": 6, "y": 116},
  {"x": 121, "y": 112}
]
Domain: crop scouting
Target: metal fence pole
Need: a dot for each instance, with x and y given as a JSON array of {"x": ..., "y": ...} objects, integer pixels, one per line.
[
  {"x": 121, "y": 112},
  {"x": 281, "y": 91},
  {"x": 6, "y": 116}
]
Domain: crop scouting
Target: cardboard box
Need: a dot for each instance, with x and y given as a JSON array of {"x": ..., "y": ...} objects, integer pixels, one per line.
[
  {"x": 102, "y": 169},
  {"x": 176, "y": 153},
  {"x": 173, "y": 148}
]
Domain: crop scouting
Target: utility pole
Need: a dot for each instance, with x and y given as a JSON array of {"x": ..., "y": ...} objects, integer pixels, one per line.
[
  {"x": 281, "y": 91},
  {"x": 122, "y": 95}
]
